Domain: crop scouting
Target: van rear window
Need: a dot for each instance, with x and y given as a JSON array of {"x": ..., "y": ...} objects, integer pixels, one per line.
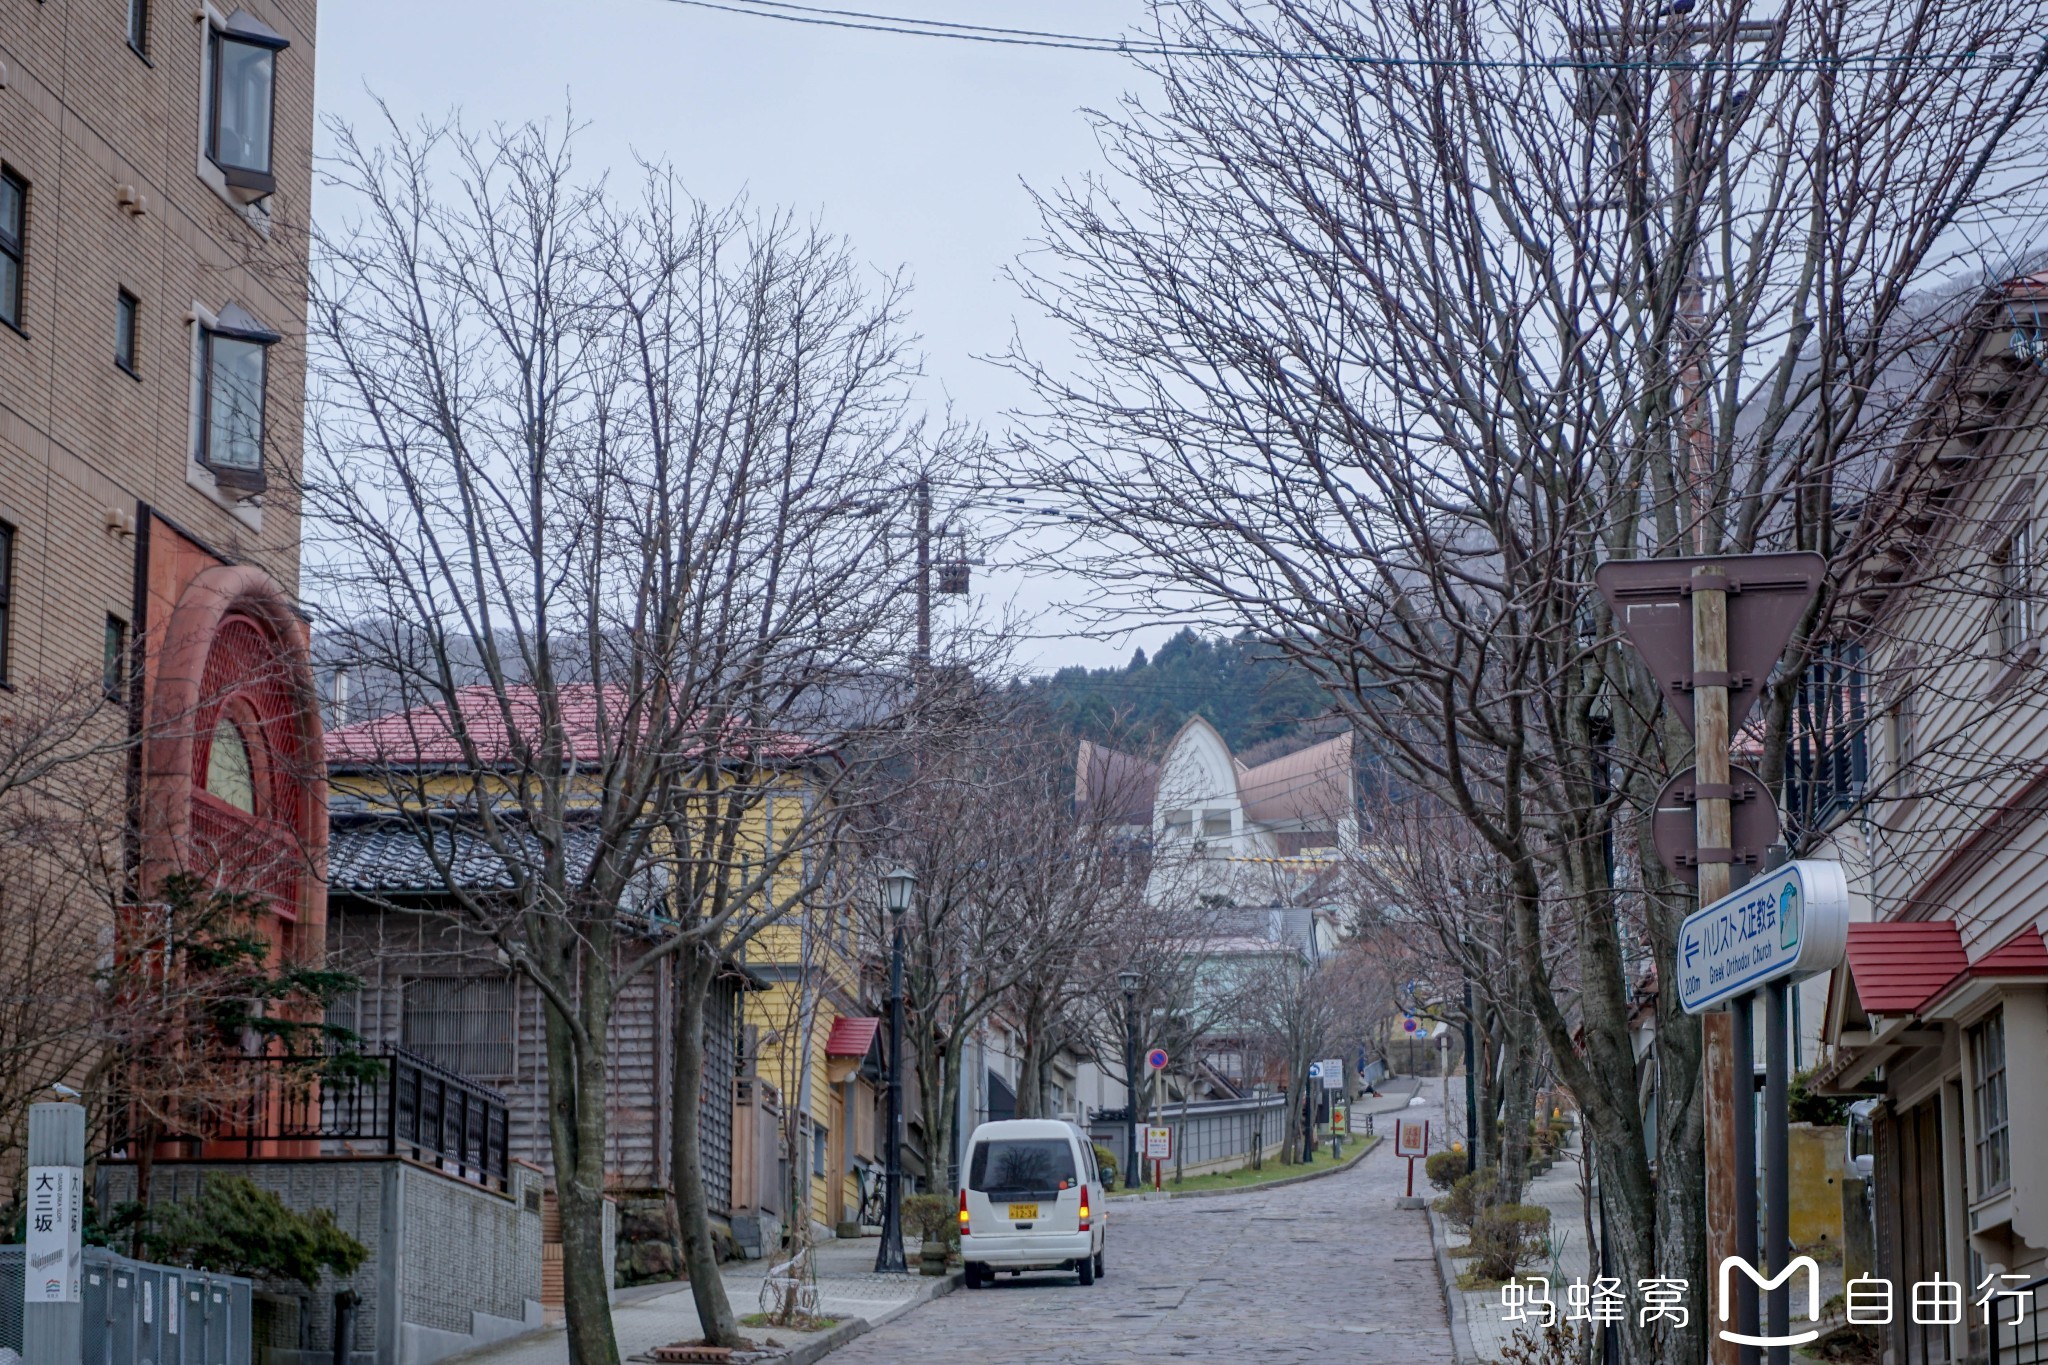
[{"x": 1021, "y": 1166}]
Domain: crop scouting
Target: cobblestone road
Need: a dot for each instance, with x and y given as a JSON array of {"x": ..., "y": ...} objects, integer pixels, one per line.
[{"x": 1327, "y": 1270}]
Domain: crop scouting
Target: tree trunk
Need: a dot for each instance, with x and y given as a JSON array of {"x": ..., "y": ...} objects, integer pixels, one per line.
[
  {"x": 1290, "y": 1144},
  {"x": 1518, "y": 1087},
  {"x": 576, "y": 1130},
  {"x": 1031, "y": 1070},
  {"x": 1486, "y": 1150},
  {"x": 938, "y": 1094},
  {"x": 696, "y": 970}
]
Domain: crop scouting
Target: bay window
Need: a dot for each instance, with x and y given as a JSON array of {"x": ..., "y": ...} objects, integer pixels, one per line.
[
  {"x": 234, "y": 351},
  {"x": 241, "y": 100}
]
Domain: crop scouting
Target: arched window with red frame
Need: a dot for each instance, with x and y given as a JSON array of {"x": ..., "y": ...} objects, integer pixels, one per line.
[{"x": 249, "y": 769}]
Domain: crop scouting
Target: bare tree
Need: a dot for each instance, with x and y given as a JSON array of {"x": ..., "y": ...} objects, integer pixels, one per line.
[
  {"x": 63, "y": 843},
  {"x": 1437, "y": 901},
  {"x": 1400, "y": 319},
  {"x": 978, "y": 816},
  {"x": 604, "y": 486}
]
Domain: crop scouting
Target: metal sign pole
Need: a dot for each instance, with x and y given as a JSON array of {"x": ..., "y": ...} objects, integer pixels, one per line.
[
  {"x": 1742, "y": 1009},
  {"x": 53, "y": 1301},
  {"x": 1777, "y": 1160}
]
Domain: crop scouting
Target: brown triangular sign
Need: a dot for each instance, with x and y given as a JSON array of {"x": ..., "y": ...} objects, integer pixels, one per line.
[{"x": 1767, "y": 594}]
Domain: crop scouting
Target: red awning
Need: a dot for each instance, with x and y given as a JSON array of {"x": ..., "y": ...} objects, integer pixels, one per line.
[
  {"x": 2024, "y": 954},
  {"x": 851, "y": 1037},
  {"x": 1898, "y": 967}
]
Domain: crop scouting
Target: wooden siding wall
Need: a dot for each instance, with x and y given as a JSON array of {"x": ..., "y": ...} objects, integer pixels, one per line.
[
  {"x": 386, "y": 949},
  {"x": 1981, "y": 720}
]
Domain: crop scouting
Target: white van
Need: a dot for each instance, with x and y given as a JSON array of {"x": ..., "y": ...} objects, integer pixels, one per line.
[{"x": 1031, "y": 1199}]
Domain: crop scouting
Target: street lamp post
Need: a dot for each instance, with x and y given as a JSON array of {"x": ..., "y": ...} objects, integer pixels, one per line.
[
  {"x": 897, "y": 889},
  {"x": 1129, "y": 979}
]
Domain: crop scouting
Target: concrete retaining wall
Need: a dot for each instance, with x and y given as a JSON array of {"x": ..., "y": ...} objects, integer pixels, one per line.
[{"x": 452, "y": 1265}]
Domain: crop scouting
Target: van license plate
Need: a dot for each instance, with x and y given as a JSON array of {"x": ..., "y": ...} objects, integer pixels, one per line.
[{"x": 1023, "y": 1212}]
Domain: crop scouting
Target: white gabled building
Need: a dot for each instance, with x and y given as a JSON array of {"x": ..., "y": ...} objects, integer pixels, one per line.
[{"x": 1247, "y": 836}]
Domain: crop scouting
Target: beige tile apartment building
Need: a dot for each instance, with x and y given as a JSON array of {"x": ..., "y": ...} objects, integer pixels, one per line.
[{"x": 155, "y": 189}]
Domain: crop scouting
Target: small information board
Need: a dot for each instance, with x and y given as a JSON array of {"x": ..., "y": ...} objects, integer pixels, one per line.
[
  {"x": 1411, "y": 1137},
  {"x": 1159, "y": 1144}
]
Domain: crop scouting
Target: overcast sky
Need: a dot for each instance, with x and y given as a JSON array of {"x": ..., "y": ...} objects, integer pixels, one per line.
[{"x": 915, "y": 149}]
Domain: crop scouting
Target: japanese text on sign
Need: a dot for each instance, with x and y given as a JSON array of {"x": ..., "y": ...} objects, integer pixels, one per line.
[{"x": 56, "y": 1204}]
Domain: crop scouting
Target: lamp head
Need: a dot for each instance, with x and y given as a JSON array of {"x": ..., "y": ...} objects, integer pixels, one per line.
[
  {"x": 897, "y": 889},
  {"x": 1128, "y": 979}
]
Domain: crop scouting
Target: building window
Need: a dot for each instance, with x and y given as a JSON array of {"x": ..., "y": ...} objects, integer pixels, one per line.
[
  {"x": 138, "y": 26},
  {"x": 1215, "y": 824},
  {"x": 2012, "y": 585},
  {"x": 114, "y": 661},
  {"x": 819, "y": 1147},
  {"x": 6, "y": 597},
  {"x": 234, "y": 351},
  {"x": 1903, "y": 721},
  {"x": 1179, "y": 824},
  {"x": 127, "y": 316},
  {"x": 463, "y": 1023},
  {"x": 241, "y": 60},
  {"x": 229, "y": 774},
  {"x": 13, "y": 244},
  {"x": 1987, "y": 1061},
  {"x": 1827, "y": 760}
]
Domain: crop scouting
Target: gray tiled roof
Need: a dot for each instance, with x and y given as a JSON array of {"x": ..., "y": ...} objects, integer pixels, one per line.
[{"x": 386, "y": 856}]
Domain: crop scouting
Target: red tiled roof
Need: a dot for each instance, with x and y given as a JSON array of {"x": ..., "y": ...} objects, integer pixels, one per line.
[
  {"x": 501, "y": 728},
  {"x": 1898, "y": 967},
  {"x": 2024, "y": 954},
  {"x": 851, "y": 1037}
]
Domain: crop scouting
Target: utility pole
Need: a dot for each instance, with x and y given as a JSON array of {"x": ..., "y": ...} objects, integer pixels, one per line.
[
  {"x": 923, "y": 494},
  {"x": 1725, "y": 1037}
]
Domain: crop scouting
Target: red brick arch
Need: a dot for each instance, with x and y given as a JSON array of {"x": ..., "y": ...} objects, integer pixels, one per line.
[{"x": 234, "y": 645}]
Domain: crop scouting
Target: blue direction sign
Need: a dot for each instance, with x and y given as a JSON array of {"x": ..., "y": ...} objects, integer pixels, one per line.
[{"x": 1793, "y": 921}]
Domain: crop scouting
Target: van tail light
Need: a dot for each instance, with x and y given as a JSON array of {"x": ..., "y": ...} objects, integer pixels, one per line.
[
  {"x": 1084, "y": 1209},
  {"x": 963, "y": 1210}
]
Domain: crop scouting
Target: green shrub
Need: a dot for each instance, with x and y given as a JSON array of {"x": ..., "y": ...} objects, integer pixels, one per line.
[
  {"x": 237, "y": 1227},
  {"x": 1444, "y": 1169},
  {"x": 1823, "y": 1111},
  {"x": 1506, "y": 1237},
  {"x": 933, "y": 1217},
  {"x": 1469, "y": 1194},
  {"x": 1105, "y": 1161}
]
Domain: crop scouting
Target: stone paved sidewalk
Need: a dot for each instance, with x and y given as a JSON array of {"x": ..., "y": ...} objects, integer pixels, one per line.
[
  {"x": 848, "y": 1289},
  {"x": 1478, "y": 1326},
  {"x": 1478, "y": 1312}
]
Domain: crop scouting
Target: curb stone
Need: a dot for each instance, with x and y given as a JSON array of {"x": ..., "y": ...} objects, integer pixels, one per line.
[
  {"x": 1462, "y": 1350},
  {"x": 1372, "y": 1144},
  {"x": 812, "y": 1351}
]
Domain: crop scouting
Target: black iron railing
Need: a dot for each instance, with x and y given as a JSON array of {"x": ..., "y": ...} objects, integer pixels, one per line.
[
  {"x": 2018, "y": 1342},
  {"x": 390, "y": 1101}
]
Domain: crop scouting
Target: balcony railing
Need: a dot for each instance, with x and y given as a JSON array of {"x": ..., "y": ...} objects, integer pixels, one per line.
[
  {"x": 2022, "y": 1342},
  {"x": 386, "y": 1102}
]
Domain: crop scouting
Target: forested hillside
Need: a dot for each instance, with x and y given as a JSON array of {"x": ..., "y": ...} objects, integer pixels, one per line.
[{"x": 1248, "y": 696}]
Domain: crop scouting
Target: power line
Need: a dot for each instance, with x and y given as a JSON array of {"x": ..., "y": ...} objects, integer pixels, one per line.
[{"x": 908, "y": 26}]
